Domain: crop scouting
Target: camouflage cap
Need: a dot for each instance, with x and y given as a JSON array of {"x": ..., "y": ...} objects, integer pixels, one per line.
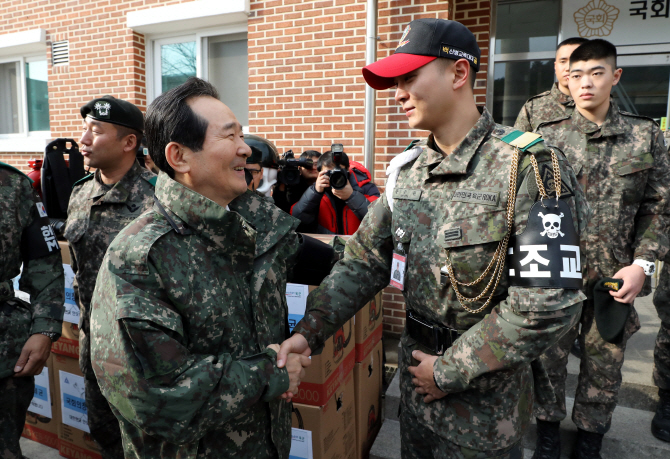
[{"x": 116, "y": 111}]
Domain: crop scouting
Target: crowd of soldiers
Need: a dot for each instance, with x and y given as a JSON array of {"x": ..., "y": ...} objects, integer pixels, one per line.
[{"x": 508, "y": 243}]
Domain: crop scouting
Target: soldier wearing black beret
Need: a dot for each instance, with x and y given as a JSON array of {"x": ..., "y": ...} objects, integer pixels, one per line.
[{"x": 101, "y": 205}]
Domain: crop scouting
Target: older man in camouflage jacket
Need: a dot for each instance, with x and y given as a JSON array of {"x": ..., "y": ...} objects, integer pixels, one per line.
[
  {"x": 191, "y": 297},
  {"x": 476, "y": 319},
  {"x": 26, "y": 329}
]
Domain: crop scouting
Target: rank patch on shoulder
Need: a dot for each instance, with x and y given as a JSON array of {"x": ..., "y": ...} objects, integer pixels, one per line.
[
  {"x": 452, "y": 234},
  {"x": 406, "y": 193},
  {"x": 488, "y": 198}
]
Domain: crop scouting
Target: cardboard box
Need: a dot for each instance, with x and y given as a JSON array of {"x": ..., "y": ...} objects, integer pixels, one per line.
[
  {"x": 71, "y": 316},
  {"x": 368, "y": 326},
  {"x": 74, "y": 439},
  {"x": 43, "y": 416},
  {"x": 368, "y": 376},
  {"x": 332, "y": 425}
]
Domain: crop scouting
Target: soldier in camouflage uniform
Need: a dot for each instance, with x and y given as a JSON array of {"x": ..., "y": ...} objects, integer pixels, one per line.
[
  {"x": 101, "y": 205},
  {"x": 191, "y": 297},
  {"x": 444, "y": 212},
  {"x": 556, "y": 103},
  {"x": 660, "y": 425},
  {"x": 622, "y": 164},
  {"x": 26, "y": 329}
]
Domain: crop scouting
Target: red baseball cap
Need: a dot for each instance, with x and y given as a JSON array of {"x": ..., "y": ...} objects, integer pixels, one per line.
[{"x": 423, "y": 41}]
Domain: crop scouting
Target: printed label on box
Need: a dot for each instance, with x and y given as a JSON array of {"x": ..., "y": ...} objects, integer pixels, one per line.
[
  {"x": 301, "y": 444},
  {"x": 296, "y": 298},
  {"x": 73, "y": 401},
  {"x": 41, "y": 402},
  {"x": 71, "y": 308}
]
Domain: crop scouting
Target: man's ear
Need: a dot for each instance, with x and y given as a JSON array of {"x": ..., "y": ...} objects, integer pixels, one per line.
[
  {"x": 177, "y": 157},
  {"x": 130, "y": 143},
  {"x": 461, "y": 70},
  {"x": 617, "y": 76}
]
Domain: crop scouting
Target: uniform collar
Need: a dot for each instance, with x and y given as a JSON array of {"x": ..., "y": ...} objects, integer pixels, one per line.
[
  {"x": 120, "y": 191},
  {"x": 561, "y": 98},
  {"x": 614, "y": 124},
  {"x": 200, "y": 214},
  {"x": 459, "y": 159}
]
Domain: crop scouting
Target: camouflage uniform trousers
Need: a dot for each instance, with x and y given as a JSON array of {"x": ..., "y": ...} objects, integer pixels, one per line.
[
  {"x": 599, "y": 373},
  {"x": 662, "y": 347},
  {"x": 15, "y": 397},
  {"x": 419, "y": 442},
  {"x": 103, "y": 424}
]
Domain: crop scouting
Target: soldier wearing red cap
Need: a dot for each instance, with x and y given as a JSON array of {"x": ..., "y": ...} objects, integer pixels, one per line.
[{"x": 456, "y": 204}]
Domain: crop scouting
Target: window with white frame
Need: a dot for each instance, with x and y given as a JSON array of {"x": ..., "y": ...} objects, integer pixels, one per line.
[
  {"x": 216, "y": 56},
  {"x": 25, "y": 96}
]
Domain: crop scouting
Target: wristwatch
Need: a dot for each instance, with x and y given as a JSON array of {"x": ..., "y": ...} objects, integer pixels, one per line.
[
  {"x": 648, "y": 266},
  {"x": 51, "y": 335}
]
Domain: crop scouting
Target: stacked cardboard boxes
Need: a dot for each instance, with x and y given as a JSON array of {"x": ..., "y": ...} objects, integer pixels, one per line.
[
  {"x": 336, "y": 413},
  {"x": 43, "y": 417}
]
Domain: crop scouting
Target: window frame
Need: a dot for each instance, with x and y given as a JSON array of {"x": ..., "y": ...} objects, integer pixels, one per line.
[{"x": 24, "y": 140}]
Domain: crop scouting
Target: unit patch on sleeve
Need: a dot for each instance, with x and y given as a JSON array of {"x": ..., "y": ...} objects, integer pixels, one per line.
[{"x": 487, "y": 198}]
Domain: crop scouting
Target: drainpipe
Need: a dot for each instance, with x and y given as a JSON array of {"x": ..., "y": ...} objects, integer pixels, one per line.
[{"x": 370, "y": 96}]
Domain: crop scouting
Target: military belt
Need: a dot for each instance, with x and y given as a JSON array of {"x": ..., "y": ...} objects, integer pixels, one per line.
[
  {"x": 433, "y": 336},
  {"x": 6, "y": 290}
]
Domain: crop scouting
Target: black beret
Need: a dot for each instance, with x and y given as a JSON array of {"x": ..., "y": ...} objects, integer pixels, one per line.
[
  {"x": 116, "y": 111},
  {"x": 256, "y": 156},
  {"x": 610, "y": 315}
]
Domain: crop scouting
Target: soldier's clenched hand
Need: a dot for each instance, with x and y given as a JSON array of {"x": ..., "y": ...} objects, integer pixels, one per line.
[
  {"x": 295, "y": 366},
  {"x": 633, "y": 279},
  {"x": 423, "y": 377}
]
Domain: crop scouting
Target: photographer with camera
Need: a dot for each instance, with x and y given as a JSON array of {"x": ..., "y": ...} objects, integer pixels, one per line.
[
  {"x": 287, "y": 195},
  {"x": 348, "y": 190}
]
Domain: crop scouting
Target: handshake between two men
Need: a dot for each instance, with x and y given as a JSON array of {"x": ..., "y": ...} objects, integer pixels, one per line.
[{"x": 294, "y": 355}]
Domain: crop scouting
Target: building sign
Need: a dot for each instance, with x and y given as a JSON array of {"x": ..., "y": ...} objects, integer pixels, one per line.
[{"x": 622, "y": 22}]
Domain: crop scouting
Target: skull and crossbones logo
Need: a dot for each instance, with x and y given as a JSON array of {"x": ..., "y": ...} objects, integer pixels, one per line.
[{"x": 552, "y": 225}]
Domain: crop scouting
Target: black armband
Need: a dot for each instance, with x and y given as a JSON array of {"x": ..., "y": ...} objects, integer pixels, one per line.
[
  {"x": 38, "y": 239},
  {"x": 314, "y": 261}
]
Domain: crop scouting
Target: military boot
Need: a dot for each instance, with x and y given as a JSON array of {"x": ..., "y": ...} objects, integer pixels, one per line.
[
  {"x": 548, "y": 444},
  {"x": 660, "y": 425},
  {"x": 588, "y": 445}
]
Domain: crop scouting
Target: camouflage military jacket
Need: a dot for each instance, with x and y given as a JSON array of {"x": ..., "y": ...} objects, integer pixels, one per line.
[
  {"x": 96, "y": 214},
  {"x": 181, "y": 320},
  {"x": 486, "y": 372},
  {"x": 546, "y": 106},
  {"x": 42, "y": 278},
  {"x": 624, "y": 169}
]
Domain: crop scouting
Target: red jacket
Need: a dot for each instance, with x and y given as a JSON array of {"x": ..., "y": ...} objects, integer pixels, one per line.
[{"x": 353, "y": 212}]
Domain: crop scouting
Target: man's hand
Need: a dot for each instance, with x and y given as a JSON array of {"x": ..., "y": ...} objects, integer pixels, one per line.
[
  {"x": 633, "y": 280},
  {"x": 322, "y": 182},
  {"x": 33, "y": 356},
  {"x": 296, "y": 344},
  {"x": 295, "y": 366},
  {"x": 423, "y": 377},
  {"x": 344, "y": 193}
]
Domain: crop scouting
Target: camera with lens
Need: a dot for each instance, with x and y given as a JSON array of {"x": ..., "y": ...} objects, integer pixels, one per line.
[
  {"x": 338, "y": 175},
  {"x": 289, "y": 172}
]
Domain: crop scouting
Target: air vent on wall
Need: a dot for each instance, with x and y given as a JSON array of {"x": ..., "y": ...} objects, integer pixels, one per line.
[{"x": 60, "y": 52}]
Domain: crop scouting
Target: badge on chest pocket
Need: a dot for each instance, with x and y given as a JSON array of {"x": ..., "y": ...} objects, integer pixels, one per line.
[{"x": 399, "y": 262}]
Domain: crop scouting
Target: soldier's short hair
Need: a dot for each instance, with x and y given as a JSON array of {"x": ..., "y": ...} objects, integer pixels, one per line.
[
  {"x": 593, "y": 50},
  {"x": 572, "y": 41},
  {"x": 122, "y": 131},
  {"x": 170, "y": 119}
]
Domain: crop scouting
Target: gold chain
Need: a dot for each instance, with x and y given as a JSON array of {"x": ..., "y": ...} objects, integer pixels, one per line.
[{"x": 501, "y": 252}]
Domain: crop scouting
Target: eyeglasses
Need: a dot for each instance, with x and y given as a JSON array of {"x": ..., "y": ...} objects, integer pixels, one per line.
[{"x": 253, "y": 171}]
